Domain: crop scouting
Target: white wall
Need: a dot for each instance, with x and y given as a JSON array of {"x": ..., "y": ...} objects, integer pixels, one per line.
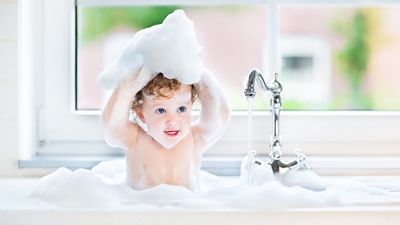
[
  {"x": 343, "y": 134},
  {"x": 8, "y": 87}
]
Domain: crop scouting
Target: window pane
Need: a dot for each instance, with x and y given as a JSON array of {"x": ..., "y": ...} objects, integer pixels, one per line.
[
  {"x": 232, "y": 38},
  {"x": 339, "y": 58},
  {"x": 332, "y": 57}
]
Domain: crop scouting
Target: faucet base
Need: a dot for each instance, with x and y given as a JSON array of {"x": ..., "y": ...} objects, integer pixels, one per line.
[{"x": 278, "y": 166}]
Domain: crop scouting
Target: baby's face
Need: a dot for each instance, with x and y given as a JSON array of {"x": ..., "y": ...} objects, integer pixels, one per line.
[{"x": 168, "y": 119}]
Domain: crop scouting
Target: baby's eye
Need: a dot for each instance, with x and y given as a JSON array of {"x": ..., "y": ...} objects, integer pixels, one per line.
[
  {"x": 160, "y": 111},
  {"x": 182, "y": 109}
]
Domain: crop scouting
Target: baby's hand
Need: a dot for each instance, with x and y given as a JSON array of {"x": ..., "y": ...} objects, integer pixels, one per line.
[
  {"x": 214, "y": 113},
  {"x": 138, "y": 80}
]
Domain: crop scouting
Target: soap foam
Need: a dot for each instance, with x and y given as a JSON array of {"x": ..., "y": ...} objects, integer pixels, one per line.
[
  {"x": 170, "y": 48},
  {"x": 103, "y": 187}
]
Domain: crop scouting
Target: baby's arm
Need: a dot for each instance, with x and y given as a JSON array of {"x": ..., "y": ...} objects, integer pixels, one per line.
[
  {"x": 215, "y": 112},
  {"x": 119, "y": 131}
]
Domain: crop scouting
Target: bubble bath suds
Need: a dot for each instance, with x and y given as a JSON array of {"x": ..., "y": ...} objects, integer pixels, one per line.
[
  {"x": 171, "y": 48},
  {"x": 103, "y": 187}
]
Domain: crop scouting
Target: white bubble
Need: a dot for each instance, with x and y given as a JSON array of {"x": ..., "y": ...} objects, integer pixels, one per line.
[
  {"x": 102, "y": 187},
  {"x": 170, "y": 48}
]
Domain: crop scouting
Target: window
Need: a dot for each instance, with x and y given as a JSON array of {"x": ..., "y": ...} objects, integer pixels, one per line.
[
  {"x": 358, "y": 45},
  {"x": 229, "y": 52},
  {"x": 63, "y": 115},
  {"x": 306, "y": 72}
]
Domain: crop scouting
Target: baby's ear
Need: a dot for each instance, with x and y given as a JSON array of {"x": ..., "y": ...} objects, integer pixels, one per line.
[{"x": 139, "y": 114}]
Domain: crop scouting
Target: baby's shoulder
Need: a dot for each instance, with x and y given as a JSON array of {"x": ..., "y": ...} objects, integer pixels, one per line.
[{"x": 142, "y": 139}]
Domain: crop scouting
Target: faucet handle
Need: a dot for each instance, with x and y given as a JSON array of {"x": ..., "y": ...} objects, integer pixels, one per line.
[
  {"x": 300, "y": 156},
  {"x": 301, "y": 160},
  {"x": 276, "y": 86},
  {"x": 276, "y": 75}
]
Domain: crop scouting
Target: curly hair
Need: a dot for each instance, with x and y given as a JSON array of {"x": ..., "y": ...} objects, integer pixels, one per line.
[{"x": 159, "y": 86}]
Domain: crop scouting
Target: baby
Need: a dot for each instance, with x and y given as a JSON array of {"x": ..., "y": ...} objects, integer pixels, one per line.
[
  {"x": 158, "y": 76},
  {"x": 169, "y": 151}
]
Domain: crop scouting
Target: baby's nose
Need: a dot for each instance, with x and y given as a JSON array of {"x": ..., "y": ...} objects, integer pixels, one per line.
[{"x": 171, "y": 123}]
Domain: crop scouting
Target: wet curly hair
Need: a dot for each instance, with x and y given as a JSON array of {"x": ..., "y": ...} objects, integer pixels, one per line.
[{"x": 159, "y": 86}]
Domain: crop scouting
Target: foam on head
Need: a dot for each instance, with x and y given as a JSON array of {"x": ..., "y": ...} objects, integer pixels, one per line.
[{"x": 170, "y": 48}]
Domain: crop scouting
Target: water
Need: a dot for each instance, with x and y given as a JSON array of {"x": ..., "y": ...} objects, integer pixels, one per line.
[{"x": 249, "y": 138}]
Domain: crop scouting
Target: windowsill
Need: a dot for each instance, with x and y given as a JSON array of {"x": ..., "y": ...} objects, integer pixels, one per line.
[
  {"x": 17, "y": 208},
  {"x": 230, "y": 166},
  {"x": 223, "y": 166}
]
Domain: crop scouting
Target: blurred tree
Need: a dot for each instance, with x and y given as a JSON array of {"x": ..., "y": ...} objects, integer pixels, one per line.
[
  {"x": 353, "y": 57},
  {"x": 97, "y": 21}
]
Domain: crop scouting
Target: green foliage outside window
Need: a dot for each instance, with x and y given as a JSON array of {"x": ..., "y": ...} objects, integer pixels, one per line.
[
  {"x": 353, "y": 57},
  {"x": 100, "y": 20}
]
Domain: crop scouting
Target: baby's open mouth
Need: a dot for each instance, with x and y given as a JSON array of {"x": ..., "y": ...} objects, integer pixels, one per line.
[{"x": 172, "y": 133}]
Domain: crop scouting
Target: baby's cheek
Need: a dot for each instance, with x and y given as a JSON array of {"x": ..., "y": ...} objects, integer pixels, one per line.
[{"x": 155, "y": 123}]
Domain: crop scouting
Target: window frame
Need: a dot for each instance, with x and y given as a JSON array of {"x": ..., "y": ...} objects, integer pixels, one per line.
[{"x": 58, "y": 130}]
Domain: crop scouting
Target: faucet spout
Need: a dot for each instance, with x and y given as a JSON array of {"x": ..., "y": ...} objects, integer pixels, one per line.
[
  {"x": 254, "y": 75},
  {"x": 274, "y": 87}
]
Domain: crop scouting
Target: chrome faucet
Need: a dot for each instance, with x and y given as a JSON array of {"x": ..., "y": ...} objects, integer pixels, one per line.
[{"x": 275, "y": 88}]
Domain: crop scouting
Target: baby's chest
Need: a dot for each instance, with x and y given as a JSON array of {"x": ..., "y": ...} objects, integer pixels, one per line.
[
  {"x": 149, "y": 164},
  {"x": 170, "y": 158},
  {"x": 150, "y": 155},
  {"x": 173, "y": 167}
]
